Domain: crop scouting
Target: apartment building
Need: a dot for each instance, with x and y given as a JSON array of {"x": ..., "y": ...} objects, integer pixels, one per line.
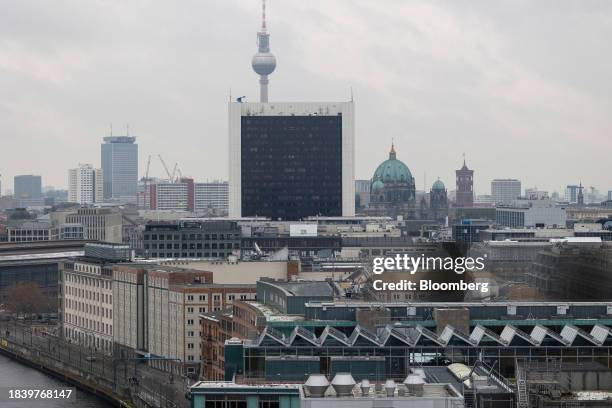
[{"x": 85, "y": 185}]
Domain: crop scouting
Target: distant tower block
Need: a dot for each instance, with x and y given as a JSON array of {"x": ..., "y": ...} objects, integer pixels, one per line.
[{"x": 264, "y": 62}]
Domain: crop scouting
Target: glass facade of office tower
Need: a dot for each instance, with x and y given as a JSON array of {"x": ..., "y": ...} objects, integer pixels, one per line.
[
  {"x": 291, "y": 166},
  {"x": 120, "y": 168}
]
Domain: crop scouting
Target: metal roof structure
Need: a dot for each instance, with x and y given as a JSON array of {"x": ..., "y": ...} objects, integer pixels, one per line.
[{"x": 419, "y": 336}]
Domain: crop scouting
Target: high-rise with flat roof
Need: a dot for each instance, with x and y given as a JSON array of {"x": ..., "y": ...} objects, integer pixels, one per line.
[
  {"x": 27, "y": 186},
  {"x": 505, "y": 191},
  {"x": 571, "y": 193},
  {"x": 291, "y": 160},
  {"x": 120, "y": 168},
  {"x": 85, "y": 185}
]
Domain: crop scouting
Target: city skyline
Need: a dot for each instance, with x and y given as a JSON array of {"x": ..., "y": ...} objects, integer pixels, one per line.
[{"x": 432, "y": 80}]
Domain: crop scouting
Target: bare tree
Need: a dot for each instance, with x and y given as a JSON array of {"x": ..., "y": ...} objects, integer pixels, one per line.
[{"x": 27, "y": 298}]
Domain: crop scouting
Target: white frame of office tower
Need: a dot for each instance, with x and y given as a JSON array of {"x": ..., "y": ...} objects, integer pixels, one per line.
[{"x": 237, "y": 110}]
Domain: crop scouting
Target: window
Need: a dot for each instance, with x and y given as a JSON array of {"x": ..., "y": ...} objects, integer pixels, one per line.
[
  {"x": 190, "y": 310},
  {"x": 190, "y": 322}
]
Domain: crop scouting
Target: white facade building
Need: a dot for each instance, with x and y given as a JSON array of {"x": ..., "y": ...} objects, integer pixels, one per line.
[
  {"x": 242, "y": 111},
  {"x": 85, "y": 185},
  {"x": 171, "y": 196},
  {"x": 505, "y": 191},
  {"x": 535, "y": 194},
  {"x": 186, "y": 195},
  {"x": 571, "y": 193},
  {"x": 531, "y": 213},
  {"x": 212, "y": 195},
  {"x": 88, "y": 304}
]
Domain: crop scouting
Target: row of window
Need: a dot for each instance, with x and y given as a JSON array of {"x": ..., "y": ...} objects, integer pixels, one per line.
[
  {"x": 185, "y": 237},
  {"x": 92, "y": 282},
  {"x": 90, "y": 309},
  {"x": 89, "y": 324},
  {"x": 199, "y": 245},
  {"x": 190, "y": 254},
  {"x": 89, "y": 295}
]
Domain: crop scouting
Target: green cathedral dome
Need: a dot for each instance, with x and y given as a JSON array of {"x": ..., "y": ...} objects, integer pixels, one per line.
[
  {"x": 438, "y": 185},
  {"x": 392, "y": 170}
]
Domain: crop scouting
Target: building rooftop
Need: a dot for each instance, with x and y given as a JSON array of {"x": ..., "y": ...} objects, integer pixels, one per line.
[
  {"x": 306, "y": 288},
  {"x": 40, "y": 256},
  {"x": 273, "y": 315}
]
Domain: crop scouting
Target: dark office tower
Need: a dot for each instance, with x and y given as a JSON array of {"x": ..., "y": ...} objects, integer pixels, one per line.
[
  {"x": 465, "y": 186},
  {"x": 291, "y": 160},
  {"x": 120, "y": 168},
  {"x": 27, "y": 187}
]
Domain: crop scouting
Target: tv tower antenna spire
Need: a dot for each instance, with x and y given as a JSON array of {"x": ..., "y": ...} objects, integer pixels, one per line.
[{"x": 263, "y": 15}]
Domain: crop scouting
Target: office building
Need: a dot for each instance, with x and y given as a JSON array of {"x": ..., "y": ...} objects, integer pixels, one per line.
[
  {"x": 331, "y": 337},
  {"x": 85, "y": 185},
  {"x": 530, "y": 213},
  {"x": 157, "y": 309},
  {"x": 212, "y": 196},
  {"x": 571, "y": 194},
  {"x": 505, "y": 191},
  {"x": 609, "y": 195},
  {"x": 341, "y": 390},
  {"x": 167, "y": 195},
  {"x": 465, "y": 187},
  {"x": 291, "y": 160},
  {"x": 33, "y": 231},
  {"x": 362, "y": 193},
  {"x": 119, "y": 157},
  {"x": 86, "y": 306},
  {"x": 35, "y": 262},
  {"x": 468, "y": 230},
  {"x": 189, "y": 301},
  {"x": 191, "y": 239},
  {"x": 27, "y": 186},
  {"x": 535, "y": 194},
  {"x": 27, "y": 191},
  {"x": 100, "y": 224},
  {"x": 186, "y": 195}
]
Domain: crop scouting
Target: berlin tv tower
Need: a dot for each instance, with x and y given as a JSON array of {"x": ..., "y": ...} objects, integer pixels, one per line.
[{"x": 264, "y": 62}]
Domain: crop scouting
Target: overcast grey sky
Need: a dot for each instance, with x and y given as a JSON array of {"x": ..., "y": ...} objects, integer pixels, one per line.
[{"x": 524, "y": 88}]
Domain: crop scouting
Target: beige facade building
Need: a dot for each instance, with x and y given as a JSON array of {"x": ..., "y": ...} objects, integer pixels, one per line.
[
  {"x": 174, "y": 302},
  {"x": 101, "y": 224},
  {"x": 87, "y": 315}
]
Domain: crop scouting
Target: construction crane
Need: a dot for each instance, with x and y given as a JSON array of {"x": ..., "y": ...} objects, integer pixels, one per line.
[
  {"x": 174, "y": 171},
  {"x": 145, "y": 180},
  {"x": 165, "y": 167}
]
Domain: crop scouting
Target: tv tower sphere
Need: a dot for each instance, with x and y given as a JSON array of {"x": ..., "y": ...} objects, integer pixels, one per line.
[{"x": 264, "y": 63}]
